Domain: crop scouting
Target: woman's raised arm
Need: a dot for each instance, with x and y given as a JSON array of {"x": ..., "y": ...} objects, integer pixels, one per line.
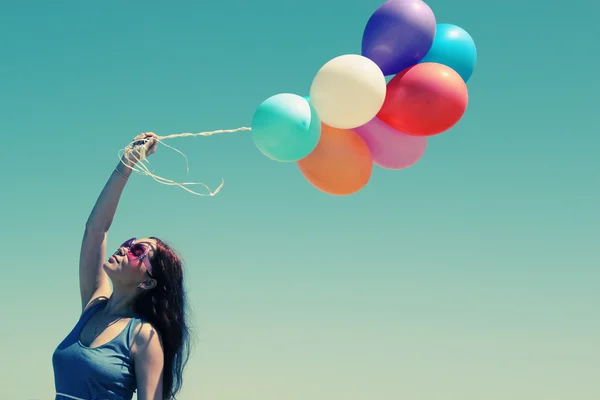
[{"x": 93, "y": 281}]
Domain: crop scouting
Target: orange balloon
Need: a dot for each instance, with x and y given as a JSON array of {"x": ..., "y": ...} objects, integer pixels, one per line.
[
  {"x": 340, "y": 165},
  {"x": 425, "y": 100}
]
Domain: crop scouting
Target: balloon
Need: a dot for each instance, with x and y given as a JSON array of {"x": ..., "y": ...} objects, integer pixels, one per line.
[
  {"x": 341, "y": 164},
  {"x": 399, "y": 34},
  {"x": 425, "y": 100},
  {"x": 285, "y": 127},
  {"x": 454, "y": 47},
  {"x": 348, "y": 91},
  {"x": 390, "y": 148}
]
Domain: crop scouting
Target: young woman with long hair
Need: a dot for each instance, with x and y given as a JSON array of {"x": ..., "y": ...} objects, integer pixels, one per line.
[{"x": 132, "y": 334}]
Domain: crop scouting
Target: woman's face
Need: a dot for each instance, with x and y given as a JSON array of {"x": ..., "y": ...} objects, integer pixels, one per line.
[{"x": 130, "y": 264}]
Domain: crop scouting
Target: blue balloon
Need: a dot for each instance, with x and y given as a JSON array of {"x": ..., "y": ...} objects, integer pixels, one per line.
[
  {"x": 455, "y": 48},
  {"x": 286, "y": 128}
]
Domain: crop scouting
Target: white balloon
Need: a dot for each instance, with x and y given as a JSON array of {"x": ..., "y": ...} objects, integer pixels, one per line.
[{"x": 348, "y": 91}]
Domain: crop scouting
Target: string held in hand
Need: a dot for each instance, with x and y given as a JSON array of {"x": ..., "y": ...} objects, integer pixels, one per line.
[{"x": 134, "y": 157}]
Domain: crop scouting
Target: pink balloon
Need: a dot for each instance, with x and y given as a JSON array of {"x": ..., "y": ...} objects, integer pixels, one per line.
[{"x": 389, "y": 147}]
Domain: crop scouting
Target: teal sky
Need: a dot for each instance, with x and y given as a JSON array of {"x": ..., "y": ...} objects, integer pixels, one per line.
[{"x": 471, "y": 276}]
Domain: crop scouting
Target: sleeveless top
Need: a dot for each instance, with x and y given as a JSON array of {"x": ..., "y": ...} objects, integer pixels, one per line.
[{"x": 105, "y": 372}]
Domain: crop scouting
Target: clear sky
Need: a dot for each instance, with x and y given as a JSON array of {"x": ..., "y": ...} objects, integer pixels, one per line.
[{"x": 471, "y": 276}]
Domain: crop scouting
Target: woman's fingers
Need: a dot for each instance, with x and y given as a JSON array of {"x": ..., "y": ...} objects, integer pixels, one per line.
[
  {"x": 144, "y": 145},
  {"x": 151, "y": 146}
]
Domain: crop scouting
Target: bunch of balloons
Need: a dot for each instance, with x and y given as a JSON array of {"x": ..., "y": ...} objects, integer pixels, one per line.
[{"x": 354, "y": 119}]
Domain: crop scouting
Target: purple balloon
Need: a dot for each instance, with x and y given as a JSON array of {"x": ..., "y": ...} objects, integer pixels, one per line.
[
  {"x": 390, "y": 148},
  {"x": 399, "y": 34}
]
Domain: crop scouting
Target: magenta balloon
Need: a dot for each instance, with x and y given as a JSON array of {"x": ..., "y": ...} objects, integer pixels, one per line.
[{"x": 390, "y": 148}]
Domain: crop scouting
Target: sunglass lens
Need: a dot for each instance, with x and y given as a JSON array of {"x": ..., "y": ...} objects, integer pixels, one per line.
[
  {"x": 137, "y": 249},
  {"x": 128, "y": 243}
]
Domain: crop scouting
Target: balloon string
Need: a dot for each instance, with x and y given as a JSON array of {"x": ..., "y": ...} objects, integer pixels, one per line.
[
  {"x": 243, "y": 128},
  {"x": 143, "y": 169}
]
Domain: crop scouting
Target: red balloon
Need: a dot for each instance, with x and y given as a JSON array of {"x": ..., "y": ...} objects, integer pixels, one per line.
[{"x": 425, "y": 100}]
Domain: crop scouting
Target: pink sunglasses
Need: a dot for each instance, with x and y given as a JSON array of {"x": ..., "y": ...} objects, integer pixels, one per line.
[{"x": 138, "y": 251}]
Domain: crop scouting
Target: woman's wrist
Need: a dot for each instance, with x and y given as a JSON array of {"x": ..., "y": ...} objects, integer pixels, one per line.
[{"x": 124, "y": 168}]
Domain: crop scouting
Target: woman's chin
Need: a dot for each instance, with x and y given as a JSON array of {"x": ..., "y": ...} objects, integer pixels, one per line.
[{"x": 109, "y": 266}]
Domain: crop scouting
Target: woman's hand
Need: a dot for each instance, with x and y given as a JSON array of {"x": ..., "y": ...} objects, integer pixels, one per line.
[{"x": 143, "y": 146}]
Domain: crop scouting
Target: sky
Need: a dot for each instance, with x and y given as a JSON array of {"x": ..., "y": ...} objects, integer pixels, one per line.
[{"x": 470, "y": 276}]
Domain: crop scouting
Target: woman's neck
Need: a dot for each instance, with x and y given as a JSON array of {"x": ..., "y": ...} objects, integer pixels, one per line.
[{"x": 120, "y": 304}]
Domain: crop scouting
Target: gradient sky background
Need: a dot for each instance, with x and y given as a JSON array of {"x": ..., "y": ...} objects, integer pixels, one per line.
[{"x": 471, "y": 276}]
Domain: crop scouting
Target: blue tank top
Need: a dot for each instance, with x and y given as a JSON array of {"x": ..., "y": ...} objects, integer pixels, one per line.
[{"x": 105, "y": 372}]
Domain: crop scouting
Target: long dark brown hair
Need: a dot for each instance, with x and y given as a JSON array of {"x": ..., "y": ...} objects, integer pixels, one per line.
[{"x": 165, "y": 307}]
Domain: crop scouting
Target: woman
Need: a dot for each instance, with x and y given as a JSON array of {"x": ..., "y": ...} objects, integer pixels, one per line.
[{"x": 134, "y": 335}]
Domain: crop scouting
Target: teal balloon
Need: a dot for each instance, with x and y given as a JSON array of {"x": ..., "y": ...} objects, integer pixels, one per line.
[
  {"x": 286, "y": 128},
  {"x": 455, "y": 48}
]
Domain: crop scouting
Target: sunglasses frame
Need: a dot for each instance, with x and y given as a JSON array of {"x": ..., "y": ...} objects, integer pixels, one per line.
[{"x": 128, "y": 244}]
